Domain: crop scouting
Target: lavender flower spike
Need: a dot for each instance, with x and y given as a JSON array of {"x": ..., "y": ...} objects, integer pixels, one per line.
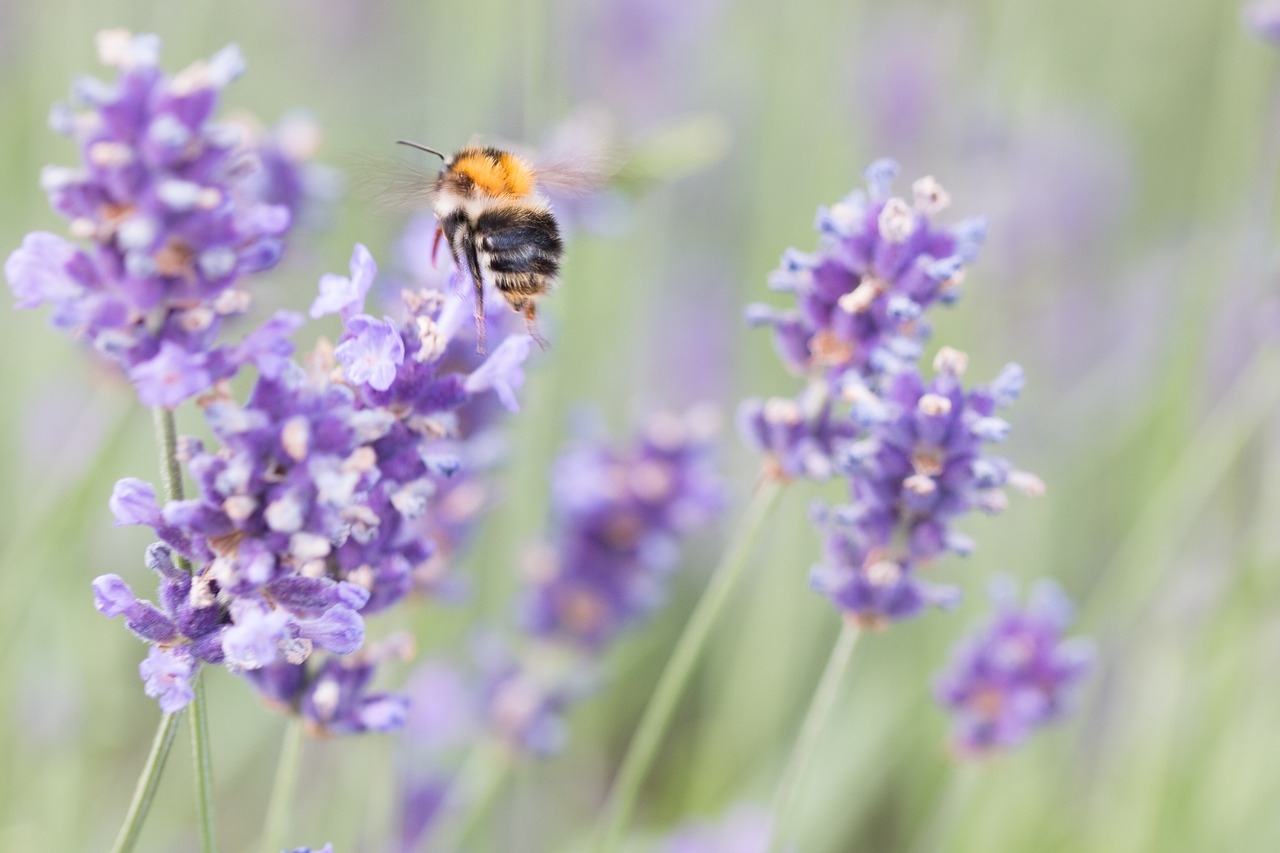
[
  {"x": 1016, "y": 673},
  {"x": 882, "y": 261},
  {"x": 166, "y": 235}
]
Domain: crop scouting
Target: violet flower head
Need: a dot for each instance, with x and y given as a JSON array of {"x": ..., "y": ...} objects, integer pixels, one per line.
[
  {"x": 619, "y": 517},
  {"x": 283, "y": 170},
  {"x": 168, "y": 233},
  {"x": 799, "y": 437},
  {"x": 860, "y": 299},
  {"x": 1016, "y": 673},
  {"x": 918, "y": 468}
]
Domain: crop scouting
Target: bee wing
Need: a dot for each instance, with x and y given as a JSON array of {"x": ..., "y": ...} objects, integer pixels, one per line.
[
  {"x": 581, "y": 175},
  {"x": 395, "y": 184}
]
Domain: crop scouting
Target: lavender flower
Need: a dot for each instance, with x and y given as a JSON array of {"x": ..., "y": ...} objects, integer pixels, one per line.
[
  {"x": 860, "y": 299},
  {"x": 282, "y": 170},
  {"x": 918, "y": 468},
  {"x": 308, "y": 518},
  {"x": 169, "y": 234},
  {"x": 1262, "y": 18},
  {"x": 619, "y": 515},
  {"x": 1016, "y": 673}
]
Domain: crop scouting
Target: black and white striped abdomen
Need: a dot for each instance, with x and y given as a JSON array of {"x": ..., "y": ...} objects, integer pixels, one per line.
[{"x": 519, "y": 250}]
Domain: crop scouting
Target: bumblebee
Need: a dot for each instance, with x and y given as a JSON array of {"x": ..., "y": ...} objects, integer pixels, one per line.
[{"x": 496, "y": 223}]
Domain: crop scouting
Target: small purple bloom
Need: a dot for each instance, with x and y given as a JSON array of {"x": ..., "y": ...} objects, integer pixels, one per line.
[
  {"x": 328, "y": 848},
  {"x": 37, "y": 272},
  {"x": 112, "y": 596},
  {"x": 1016, "y": 673},
  {"x": 346, "y": 295},
  {"x": 134, "y": 502},
  {"x": 503, "y": 371},
  {"x": 371, "y": 351},
  {"x": 254, "y": 640},
  {"x": 173, "y": 375},
  {"x": 167, "y": 676}
]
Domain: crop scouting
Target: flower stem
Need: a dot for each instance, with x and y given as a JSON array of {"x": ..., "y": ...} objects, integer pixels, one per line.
[
  {"x": 275, "y": 828},
  {"x": 938, "y": 828},
  {"x": 474, "y": 790},
  {"x": 148, "y": 782},
  {"x": 815, "y": 719},
  {"x": 657, "y": 715},
  {"x": 171, "y": 479}
]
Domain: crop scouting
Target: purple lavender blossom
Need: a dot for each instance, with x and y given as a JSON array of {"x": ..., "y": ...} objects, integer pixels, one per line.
[
  {"x": 919, "y": 467},
  {"x": 800, "y": 437},
  {"x": 169, "y": 235},
  {"x": 619, "y": 515},
  {"x": 1016, "y": 673},
  {"x": 311, "y": 514},
  {"x": 743, "y": 830},
  {"x": 860, "y": 299},
  {"x": 1262, "y": 18}
]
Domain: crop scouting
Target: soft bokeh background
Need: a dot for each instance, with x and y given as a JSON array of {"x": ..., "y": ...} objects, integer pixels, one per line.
[{"x": 1125, "y": 152}]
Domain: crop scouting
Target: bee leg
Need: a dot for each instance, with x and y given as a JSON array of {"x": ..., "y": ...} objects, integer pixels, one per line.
[
  {"x": 473, "y": 262},
  {"x": 435, "y": 245},
  {"x": 531, "y": 325}
]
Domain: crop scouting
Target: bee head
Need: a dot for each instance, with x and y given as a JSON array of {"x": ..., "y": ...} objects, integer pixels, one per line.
[{"x": 487, "y": 171}]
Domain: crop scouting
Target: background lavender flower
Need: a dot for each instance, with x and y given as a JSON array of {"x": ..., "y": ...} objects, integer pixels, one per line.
[
  {"x": 170, "y": 234},
  {"x": 1016, "y": 673},
  {"x": 917, "y": 468},
  {"x": 618, "y": 516},
  {"x": 882, "y": 262},
  {"x": 308, "y": 516}
]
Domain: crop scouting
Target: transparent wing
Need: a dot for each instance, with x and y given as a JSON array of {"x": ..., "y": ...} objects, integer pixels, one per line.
[{"x": 393, "y": 183}]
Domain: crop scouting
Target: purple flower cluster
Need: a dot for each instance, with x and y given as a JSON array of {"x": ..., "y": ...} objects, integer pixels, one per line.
[
  {"x": 619, "y": 516},
  {"x": 169, "y": 226},
  {"x": 881, "y": 264},
  {"x": 310, "y": 512},
  {"x": 1016, "y": 673},
  {"x": 919, "y": 466}
]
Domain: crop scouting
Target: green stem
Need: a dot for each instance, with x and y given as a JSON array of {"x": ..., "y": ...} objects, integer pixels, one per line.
[
  {"x": 148, "y": 782},
  {"x": 474, "y": 791},
  {"x": 171, "y": 479},
  {"x": 938, "y": 828},
  {"x": 815, "y": 720},
  {"x": 657, "y": 715},
  {"x": 275, "y": 829}
]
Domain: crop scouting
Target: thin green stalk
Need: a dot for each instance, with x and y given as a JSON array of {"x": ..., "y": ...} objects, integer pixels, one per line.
[
  {"x": 662, "y": 704},
  {"x": 148, "y": 782},
  {"x": 171, "y": 479},
  {"x": 938, "y": 827},
  {"x": 815, "y": 720},
  {"x": 473, "y": 791},
  {"x": 275, "y": 828}
]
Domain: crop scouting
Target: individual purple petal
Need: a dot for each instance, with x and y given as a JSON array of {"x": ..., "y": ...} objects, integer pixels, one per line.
[
  {"x": 173, "y": 375},
  {"x": 133, "y": 501},
  {"x": 346, "y": 295},
  {"x": 112, "y": 596},
  {"x": 37, "y": 271},
  {"x": 254, "y": 640},
  {"x": 503, "y": 371},
  {"x": 167, "y": 676},
  {"x": 339, "y": 630},
  {"x": 371, "y": 351}
]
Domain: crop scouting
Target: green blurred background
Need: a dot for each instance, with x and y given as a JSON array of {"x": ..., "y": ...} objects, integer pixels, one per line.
[{"x": 1125, "y": 151}]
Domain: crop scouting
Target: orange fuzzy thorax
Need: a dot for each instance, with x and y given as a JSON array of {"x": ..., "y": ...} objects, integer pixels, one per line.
[{"x": 503, "y": 175}]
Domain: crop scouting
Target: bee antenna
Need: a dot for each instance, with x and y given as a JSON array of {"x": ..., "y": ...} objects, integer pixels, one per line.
[{"x": 420, "y": 147}]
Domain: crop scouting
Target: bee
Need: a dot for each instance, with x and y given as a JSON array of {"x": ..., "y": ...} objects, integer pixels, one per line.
[{"x": 494, "y": 221}]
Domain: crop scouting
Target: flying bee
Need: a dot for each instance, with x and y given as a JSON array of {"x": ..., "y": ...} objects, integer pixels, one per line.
[{"x": 494, "y": 220}]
